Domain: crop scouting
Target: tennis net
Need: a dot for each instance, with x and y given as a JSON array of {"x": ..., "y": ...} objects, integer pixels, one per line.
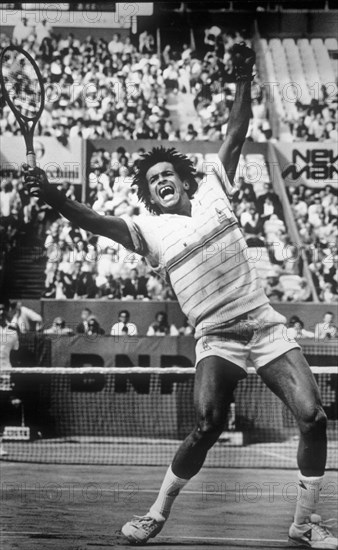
[{"x": 138, "y": 416}]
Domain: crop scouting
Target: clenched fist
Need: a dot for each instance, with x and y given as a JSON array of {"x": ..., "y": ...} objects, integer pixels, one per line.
[
  {"x": 243, "y": 60},
  {"x": 35, "y": 180},
  {"x": 37, "y": 184}
]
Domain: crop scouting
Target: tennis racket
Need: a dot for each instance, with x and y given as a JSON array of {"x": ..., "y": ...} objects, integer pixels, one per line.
[{"x": 23, "y": 89}]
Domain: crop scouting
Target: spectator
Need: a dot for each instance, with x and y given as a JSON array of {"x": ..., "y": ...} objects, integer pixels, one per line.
[
  {"x": 327, "y": 294},
  {"x": 59, "y": 328},
  {"x": 124, "y": 327},
  {"x": 268, "y": 203},
  {"x": 24, "y": 318},
  {"x": 296, "y": 330},
  {"x": 170, "y": 77},
  {"x": 135, "y": 287},
  {"x": 273, "y": 288},
  {"x": 326, "y": 329},
  {"x": 128, "y": 47},
  {"x": 191, "y": 133},
  {"x": 155, "y": 286},
  {"x": 115, "y": 45},
  {"x": 299, "y": 207},
  {"x": 94, "y": 327},
  {"x": 60, "y": 288},
  {"x": 146, "y": 43},
  {"x": 9, "y": 199},
  {"x": 82, "y": 327},
  {"x": 291, "y": 261},
  {"x": 108, "y": 261},
  {"x": 43, "y": 31},
  {"x": 161, "y": 327},
  {"x": 109, "y": 288},
  {"x": 244, "y": 191},
  {"x": 82, "y": 282},
  {"x": 22, "y": 31},
  {"x": 9, "y": 341},
  {"x": 314, "y": 211},
  {"x": 251, "y": 221}
]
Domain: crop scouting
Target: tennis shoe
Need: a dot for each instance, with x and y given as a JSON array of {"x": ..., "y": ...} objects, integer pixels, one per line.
[
  {"x": 141, "y": 528},
  {"x": 313, "y": 534}
]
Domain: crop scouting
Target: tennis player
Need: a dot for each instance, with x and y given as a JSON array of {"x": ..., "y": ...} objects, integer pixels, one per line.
[{"x": 195, "y": 239}]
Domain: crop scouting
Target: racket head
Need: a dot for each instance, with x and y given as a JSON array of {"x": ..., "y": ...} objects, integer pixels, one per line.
[{"x": 22, "y": 87}]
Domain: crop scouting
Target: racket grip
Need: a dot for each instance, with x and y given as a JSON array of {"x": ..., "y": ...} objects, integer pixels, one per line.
[{"x": 31, "y": 161}]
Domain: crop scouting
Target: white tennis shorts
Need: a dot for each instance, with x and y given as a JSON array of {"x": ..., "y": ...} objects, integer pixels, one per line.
[{"x": 249, "y": 341}]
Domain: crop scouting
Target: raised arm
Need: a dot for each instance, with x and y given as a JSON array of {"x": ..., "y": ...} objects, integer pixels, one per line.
[
  {"x": 109, "y": 226},
  {"x": 243, "y": 59}
]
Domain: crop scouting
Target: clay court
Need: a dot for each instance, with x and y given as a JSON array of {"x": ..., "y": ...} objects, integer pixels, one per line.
[{"x": 72, "y": 507}]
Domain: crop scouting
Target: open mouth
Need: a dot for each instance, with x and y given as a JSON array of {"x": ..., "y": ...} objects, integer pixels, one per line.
[{"x": 166, "y": 191}]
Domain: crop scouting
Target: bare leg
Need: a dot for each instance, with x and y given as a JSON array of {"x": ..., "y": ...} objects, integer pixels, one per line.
[
  {"x": 215, "y": 382},
  {"x": 291, "y": 379}
]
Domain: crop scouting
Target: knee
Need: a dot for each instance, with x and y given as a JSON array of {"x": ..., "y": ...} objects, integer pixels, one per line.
[
  {"x": 210, "y": 427},
  {"x": 313, "y": 419}
]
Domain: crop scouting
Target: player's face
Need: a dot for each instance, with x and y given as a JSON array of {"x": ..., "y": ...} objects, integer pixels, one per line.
[{"x": 166, "y": 188}]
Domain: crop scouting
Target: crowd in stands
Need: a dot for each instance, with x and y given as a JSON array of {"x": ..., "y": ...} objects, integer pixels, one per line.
[
  {"x": 20, "y": 213},
  {"x": 113, "y": 89},
  {"x": 95, "y": 88},
  {"x": 88, "y": 267},
  {"x": 80, "y": 265},
  {"x": 207, "y": 74},
  {"x": 316, "y": 215},
  {"x": 315, "y": 122},
  {"x": 276, "y": 258}
]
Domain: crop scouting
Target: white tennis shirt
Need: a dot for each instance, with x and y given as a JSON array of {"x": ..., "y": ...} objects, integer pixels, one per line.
[{"x": 205, "y": 255}]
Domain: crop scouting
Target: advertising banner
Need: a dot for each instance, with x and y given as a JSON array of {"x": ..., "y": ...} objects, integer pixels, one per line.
[
  {"x": 60, "y": 162},
  {"x": 313, "y": 164},
  {"x": 122, "y": 351}
]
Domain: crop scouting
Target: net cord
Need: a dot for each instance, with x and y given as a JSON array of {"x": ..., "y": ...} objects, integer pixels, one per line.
[{"x": 133, "y": 370}]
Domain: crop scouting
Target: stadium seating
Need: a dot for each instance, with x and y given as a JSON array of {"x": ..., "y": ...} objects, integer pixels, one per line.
[{"x": 306, "y": 78}]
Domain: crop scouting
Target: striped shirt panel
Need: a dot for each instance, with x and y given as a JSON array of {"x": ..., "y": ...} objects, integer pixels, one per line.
[{"x": 205, "y": 255}]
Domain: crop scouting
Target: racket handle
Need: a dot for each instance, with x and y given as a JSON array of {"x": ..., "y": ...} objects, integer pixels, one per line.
[{"x": 31, "y": 161}]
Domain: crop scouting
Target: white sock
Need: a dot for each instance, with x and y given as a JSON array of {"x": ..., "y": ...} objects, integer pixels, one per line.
[
  {"x": 308, "y": 497},
  {"x": 169, "y": 490}
]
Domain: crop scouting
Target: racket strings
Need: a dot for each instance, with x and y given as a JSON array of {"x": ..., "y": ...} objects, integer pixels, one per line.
[{"x": 22, "y": 85}]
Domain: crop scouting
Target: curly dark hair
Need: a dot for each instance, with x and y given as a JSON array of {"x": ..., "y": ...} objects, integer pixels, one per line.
[{"x": 182, "y": 165}]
